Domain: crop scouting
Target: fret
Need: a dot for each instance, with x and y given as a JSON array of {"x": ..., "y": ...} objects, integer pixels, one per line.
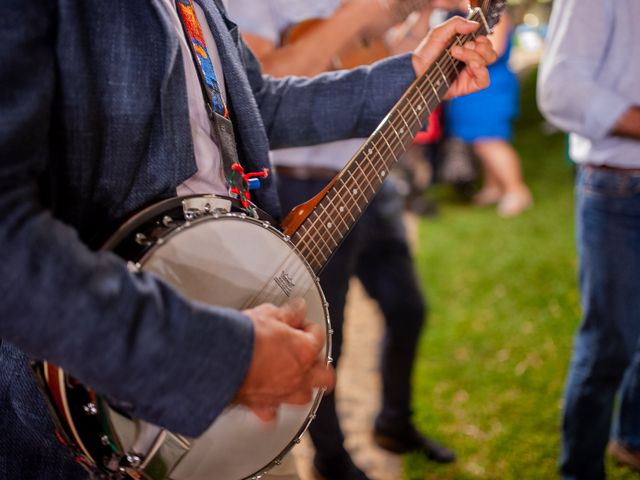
[
  {"x": 341, "y": 218},
  {"x": 452, "y": 60},
  {"x": 329, "y": 228},
  {"x": 303, "y": 244},
  {"x": 396, "y": 133},
  {"x": 424, "y": 100},
  {"x": 378, "y": 151},
  {"x": 345, "y": 201},
  {"x": 390, "y": 148},
  {"x": 405, "y": 121},
  {"x": 323, "y": 239},
  {"x": 356, "y": 192},
  {"x": 375, "y": 170},
  {"x": 367, "y": 167},
  {"x": 344, "y": 206},
  {"x": 366, "y": 177},
  {"x": 442, "y": 73},
  {"x": 415, "y": 113},
  {"x": 435, "y": 92},
  {"x": 381, "y": 172},
  {"x": 305, "y": 238},
  {"x": 348, "y": 208}
]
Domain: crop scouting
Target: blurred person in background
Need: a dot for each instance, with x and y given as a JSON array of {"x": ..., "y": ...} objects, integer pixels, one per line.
[
  {"x": 484, "y": 120},
  {"x": 377, "y": 250},
  {"x": 589, "y": 85}
]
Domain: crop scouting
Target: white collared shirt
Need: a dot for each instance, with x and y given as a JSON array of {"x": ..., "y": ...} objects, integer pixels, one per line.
[
  {"x": 210, "y": 175},
  {"x": 270, "y": 19},
  {"x": 589, "y": 77}
]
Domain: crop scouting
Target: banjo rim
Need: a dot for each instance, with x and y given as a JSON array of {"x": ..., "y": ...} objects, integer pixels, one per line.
[{"x": 55, "y": 381}]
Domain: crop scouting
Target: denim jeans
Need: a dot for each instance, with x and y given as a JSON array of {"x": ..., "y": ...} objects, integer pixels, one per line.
[
  {"x": 606, "y": 355},
  {"x": 376, "y": 251}
]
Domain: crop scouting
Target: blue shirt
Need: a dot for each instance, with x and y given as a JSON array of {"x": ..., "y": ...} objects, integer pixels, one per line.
[{"x": 590, "y": 76}]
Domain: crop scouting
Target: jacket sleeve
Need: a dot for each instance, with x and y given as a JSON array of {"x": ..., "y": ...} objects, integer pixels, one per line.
[
  {"x": 299, "y": 111},
  {"x": 569, "y": 94},
  {"x": 128, "y": 335}
]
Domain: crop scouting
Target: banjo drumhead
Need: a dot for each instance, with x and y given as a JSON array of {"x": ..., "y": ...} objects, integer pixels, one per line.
[{"x": 238, "y": 263}]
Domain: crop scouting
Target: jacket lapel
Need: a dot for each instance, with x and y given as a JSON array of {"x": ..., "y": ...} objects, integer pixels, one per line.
[{"x": 253, "y": 144}]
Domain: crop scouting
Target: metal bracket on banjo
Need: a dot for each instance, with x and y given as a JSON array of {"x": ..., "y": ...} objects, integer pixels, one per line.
[{"x": 195, "y": 207}]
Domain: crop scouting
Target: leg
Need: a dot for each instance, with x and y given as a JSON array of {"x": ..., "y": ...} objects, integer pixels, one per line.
[
  {"x": 627, "y": 431},
  {"x": 502, "y": 167},
  {"x": 385, "y": 267},
  {"x": 608, "y": 230},
  {"x": 332, "y": 460}
]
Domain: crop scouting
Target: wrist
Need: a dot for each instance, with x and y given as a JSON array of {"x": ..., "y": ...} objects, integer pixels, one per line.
[
  {"x": 629, "y": 124},
  {"x": 419, "y": 63}
]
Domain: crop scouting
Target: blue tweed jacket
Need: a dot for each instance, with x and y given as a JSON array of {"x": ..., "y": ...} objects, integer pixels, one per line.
[{"x": 93, "y": 126}]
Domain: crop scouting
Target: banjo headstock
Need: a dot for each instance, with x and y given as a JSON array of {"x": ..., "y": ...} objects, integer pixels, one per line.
[{"x": 491, "y": 10}]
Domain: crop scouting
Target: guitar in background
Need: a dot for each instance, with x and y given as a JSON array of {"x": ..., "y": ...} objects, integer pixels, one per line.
[{"x": 401, "y": 25}]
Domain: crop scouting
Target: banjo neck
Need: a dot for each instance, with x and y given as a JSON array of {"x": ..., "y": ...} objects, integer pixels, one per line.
[{"x": 318, "y": 227}]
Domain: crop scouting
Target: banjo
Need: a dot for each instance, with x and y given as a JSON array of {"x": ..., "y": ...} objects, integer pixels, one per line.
[{"x": 197, "y": 244}]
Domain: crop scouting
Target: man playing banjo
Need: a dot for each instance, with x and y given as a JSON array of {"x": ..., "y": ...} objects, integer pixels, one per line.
[{"x": 102, "y": 113}]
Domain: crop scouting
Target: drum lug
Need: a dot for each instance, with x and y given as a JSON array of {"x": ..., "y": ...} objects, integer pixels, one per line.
[
  {"x": 90, "y": 409},
  {"x": 133, "y": 460},
  {"x": 142, "y": 240},
  {"x": 167, "y": 221},
  {"x": 199, "y": 206}
]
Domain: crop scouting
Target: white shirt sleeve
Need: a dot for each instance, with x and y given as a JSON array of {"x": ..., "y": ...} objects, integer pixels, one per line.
[
  {"x": 257, "y": 18},
  {"x": 569, "y": 93}
]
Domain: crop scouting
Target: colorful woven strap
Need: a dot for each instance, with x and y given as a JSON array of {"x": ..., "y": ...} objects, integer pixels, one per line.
[{"x": 199, "y": 49}]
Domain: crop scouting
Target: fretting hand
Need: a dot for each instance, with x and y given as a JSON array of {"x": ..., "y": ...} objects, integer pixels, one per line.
[{"x": 476, "y": 54}]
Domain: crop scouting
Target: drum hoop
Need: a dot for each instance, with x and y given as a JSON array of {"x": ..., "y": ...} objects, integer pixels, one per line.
[{"x": 266, "y": 225}]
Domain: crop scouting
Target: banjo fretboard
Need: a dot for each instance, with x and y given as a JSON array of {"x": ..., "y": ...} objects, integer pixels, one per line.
[{"x": 354, "y": 188}]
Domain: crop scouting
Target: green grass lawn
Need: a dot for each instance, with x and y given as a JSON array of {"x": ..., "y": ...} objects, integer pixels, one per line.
[{"x": 504, "y": 306}]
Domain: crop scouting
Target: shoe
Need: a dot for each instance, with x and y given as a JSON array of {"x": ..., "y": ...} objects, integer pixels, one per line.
[
  {"x": 341, "y": 468},
  {"x": 514, "y": 203},
  {"x": 486, "y": 197},
  {"x": 412, "y": 440},
  {"x": 624, "y": 456}
]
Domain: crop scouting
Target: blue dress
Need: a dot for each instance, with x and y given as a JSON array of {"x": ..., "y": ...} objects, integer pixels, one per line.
[{"x": 489, "y": 113}]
